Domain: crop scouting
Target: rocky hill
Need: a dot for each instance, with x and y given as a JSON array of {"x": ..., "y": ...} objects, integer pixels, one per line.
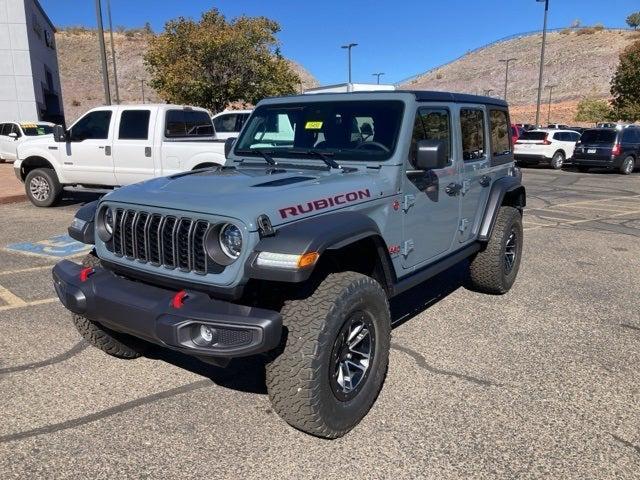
[
  {"x": 80, "y": 71},
  {"x": 578, "y": 62}
]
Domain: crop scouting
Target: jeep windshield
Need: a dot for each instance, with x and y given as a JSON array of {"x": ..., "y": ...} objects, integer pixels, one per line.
[{"x": 343, "y": 130}]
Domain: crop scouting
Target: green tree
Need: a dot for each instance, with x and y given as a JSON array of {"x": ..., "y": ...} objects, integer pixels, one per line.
[
  {"x": 625, "y": 85},
  {"x": 633, "y": 20},
  {"x": 592, "y": 110},
  {"x": 213, "y": 62}
]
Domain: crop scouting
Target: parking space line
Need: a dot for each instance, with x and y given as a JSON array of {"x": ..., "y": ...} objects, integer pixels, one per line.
[
  {"x": 11, "y": 300},
  {"x": 25, "y": 270},
  {"x": 585, "y": 220},
  {"x": 590, "y": 207},
  {"x": 24, "y": 304},
  {"x": 604, "y": 199}
]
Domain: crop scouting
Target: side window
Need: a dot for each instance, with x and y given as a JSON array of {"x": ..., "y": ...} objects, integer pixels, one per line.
[
  {"x": 500, "y": 141},
  {"x": 560, "y": 137},
  {"x": 16, "y": 130},
  {"x": 188, "y": 123},
  {"x": 575, "y": 136},
  {"x": 473, "y": 141},
  {"x": 3, "y": 128},
  {"x": 635, "y": 138},
  {"x": 431, "y": 124},
  {"x": 93, "y": 126},
  {"x": 134, "y": 125},
  {"x": 226, "y": 123},
  {"x": 241, "y": 119}
]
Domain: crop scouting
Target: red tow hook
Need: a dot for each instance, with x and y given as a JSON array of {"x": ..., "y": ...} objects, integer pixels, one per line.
[
  {"x": 85, "y": 273},
  {"x": 178, "y": 299}
]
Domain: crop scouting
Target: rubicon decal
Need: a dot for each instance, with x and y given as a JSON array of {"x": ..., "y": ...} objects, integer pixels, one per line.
[{"x": 323, "y": 203}]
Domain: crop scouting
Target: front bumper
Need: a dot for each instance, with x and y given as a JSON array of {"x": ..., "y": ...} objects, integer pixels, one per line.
[{"x": 146, "y": 311}]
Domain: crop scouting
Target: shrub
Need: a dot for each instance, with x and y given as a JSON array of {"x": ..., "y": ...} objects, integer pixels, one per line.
[
  {"x": 586, "y": 31},
  {"x": 565, "y": 31},
  {"x": 598, "y": 27},
  {"x": 75, "y": 103}
]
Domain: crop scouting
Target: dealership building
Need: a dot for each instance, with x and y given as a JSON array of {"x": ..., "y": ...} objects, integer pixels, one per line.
[{"x": 29, "y": 78}]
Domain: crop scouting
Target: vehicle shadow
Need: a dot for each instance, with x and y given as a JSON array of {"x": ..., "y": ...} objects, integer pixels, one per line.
[
  {"x": 77, "y": 198},
  {"x": 248, "y": 374}
]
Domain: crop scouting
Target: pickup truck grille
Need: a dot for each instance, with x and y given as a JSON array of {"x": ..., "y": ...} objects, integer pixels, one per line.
[{"x": 162, "y": 240}]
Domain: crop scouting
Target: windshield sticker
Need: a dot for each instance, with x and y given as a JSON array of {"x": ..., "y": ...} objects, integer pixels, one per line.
[
  {"x": 40, "y": 131},
  {"x": 313, "y": 125}
]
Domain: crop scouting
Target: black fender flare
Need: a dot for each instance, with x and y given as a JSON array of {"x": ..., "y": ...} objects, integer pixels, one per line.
[
  {"x": 318, "y": 234},
  {"x": 505, "y": 187},
  {"x": 87, "y": 213}
]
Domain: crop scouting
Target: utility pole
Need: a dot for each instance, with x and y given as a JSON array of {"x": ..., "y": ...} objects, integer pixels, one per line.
[
  {"x": 142, "y": 84},
  {"x": 550, "y": 87},
  {"x": 506, "y": 61},
  {"x": 544, "y": 41},
  {"x": 113, "y": 53},
  {"x": 378, "y": 75},
  {"x": 103, "y": 55},
  {"x": 349, "y": 46}
]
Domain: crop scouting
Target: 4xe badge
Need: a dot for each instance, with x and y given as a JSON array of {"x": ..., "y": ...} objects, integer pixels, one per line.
[{"x": 323, "y": 203}]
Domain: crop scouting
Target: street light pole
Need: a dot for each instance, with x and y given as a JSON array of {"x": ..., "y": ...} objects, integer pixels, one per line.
[
  {"x": 103, "y": 55},
  {"x": 544, "y": 41},
  {"x": 113, "y": 53},
  {"x": 378, "y": 75},
  {"x": 506, "y": 61},
  {"x": 142, "y": 84},
  {"x": 349, "y": 47},
  {"x": 550, "y": 87}
]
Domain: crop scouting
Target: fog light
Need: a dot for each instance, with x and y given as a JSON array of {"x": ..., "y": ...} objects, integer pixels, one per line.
[{"x": 206, "y": 333}]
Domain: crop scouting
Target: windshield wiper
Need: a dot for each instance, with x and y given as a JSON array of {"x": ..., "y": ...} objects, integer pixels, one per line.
[
  {"x": 325, "y": 157},
  {"x": 262, "y": 153}
]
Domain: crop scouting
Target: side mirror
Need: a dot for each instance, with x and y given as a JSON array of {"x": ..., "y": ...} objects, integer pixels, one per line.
[
  {"x": 59, "y": 134},
  {"x": 14, "y": 135},
  {"x": 228, "y": 145},
  {"x": 431, "y": 155}
]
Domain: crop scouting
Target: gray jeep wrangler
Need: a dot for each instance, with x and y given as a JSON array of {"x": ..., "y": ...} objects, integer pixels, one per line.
[{"x": 329, "y": 206}]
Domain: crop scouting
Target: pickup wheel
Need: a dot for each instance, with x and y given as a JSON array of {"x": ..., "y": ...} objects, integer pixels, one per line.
[
  {"x": 42, "y": 187},
  {"x": 112, "y": 343},
  {"x": 333, "y": 360},
  {"x": 494, "y": 269}
]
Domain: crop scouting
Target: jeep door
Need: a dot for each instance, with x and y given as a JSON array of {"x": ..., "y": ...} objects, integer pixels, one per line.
[
  {"x": 86, "y": 156},
  {"x": 474, "y": 132},
  {"x": 430, "y": 213}
]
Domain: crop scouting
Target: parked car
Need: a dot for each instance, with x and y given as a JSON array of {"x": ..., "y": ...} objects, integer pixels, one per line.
[
  {"x": 294, "y": 251},
  {"x": 526, "y": 126},
  {"x": 606, "y": 125},
  {"x": 558, "y": 126},
  {"x": 117, "y": 145},
  {"x": 613, "y": 148},
  {"x": 516, "y": 131},
  {"x": 229, "y": 123},
  {"x": 545, "y": 146},
  {"x": 13, "y": 134}
]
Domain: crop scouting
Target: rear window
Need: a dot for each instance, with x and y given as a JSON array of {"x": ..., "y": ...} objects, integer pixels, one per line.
[
  {"x": 188, "y": 123},
  {"x": 533, "y": 136},
  {"x": 599, "y": 136}
]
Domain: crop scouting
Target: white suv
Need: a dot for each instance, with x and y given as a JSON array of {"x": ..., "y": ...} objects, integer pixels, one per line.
[
  {"x": 545, "y": 146},
  {"x": 13, "y": 134}
]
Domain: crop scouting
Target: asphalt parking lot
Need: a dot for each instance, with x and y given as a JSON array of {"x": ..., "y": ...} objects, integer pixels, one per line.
[{"x": 541, "y": 382}]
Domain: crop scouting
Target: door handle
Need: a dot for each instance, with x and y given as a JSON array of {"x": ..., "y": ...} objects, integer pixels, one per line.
[
  {"x": 485, "y": 180},
  {"x": 107, "y": 150},
  {"x": 147, "y": 151},
  {"x": 453, "y": 189}
]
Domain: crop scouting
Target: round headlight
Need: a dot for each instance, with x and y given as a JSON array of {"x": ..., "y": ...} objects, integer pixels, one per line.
[
  {"x": 105, "y": 223},
  {"x": 231, "y": 240}
]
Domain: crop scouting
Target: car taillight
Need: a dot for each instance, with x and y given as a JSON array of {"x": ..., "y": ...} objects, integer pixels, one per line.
[
  {"x": 546, "y": 140},
  {"x": 616, "y": 150}
]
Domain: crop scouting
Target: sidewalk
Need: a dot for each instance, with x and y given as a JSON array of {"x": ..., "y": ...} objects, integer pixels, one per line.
[{"x": 11, "y": 190}]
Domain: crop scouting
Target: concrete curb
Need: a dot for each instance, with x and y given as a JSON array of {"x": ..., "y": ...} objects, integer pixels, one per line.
[{"x": 13, "y": 199}]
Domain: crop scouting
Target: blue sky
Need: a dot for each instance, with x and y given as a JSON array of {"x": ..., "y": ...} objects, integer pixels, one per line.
[{"x": 400, "y": 38}]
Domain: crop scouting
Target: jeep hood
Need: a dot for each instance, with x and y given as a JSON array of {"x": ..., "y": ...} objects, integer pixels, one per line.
[{"x": 284, "y": 195}]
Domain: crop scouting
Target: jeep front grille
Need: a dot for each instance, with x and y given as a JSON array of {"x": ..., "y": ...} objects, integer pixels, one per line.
[{"x": 162, "y": 240}]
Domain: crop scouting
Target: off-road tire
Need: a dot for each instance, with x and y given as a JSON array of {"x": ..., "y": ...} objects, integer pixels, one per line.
[
  {"x": 112, "y": 343},
  {"x": 628, "y": 165},
  {"x": 488, "y": 272},
  {"x": 49, "y": 176},
  {"x": 299, "y": 377},
  {"x": 557, "y": 161}
]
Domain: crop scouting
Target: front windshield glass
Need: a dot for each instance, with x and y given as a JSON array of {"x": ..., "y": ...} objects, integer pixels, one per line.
[
  {"x": 347, "y": 130},
  {"x": 32, "y": 130}
]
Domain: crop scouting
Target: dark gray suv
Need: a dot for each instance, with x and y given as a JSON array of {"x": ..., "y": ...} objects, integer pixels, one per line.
[{"x": 614, "y": 148}]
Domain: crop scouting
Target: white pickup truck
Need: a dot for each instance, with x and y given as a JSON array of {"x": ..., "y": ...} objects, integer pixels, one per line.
[{"x": 117, "y": 145}]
